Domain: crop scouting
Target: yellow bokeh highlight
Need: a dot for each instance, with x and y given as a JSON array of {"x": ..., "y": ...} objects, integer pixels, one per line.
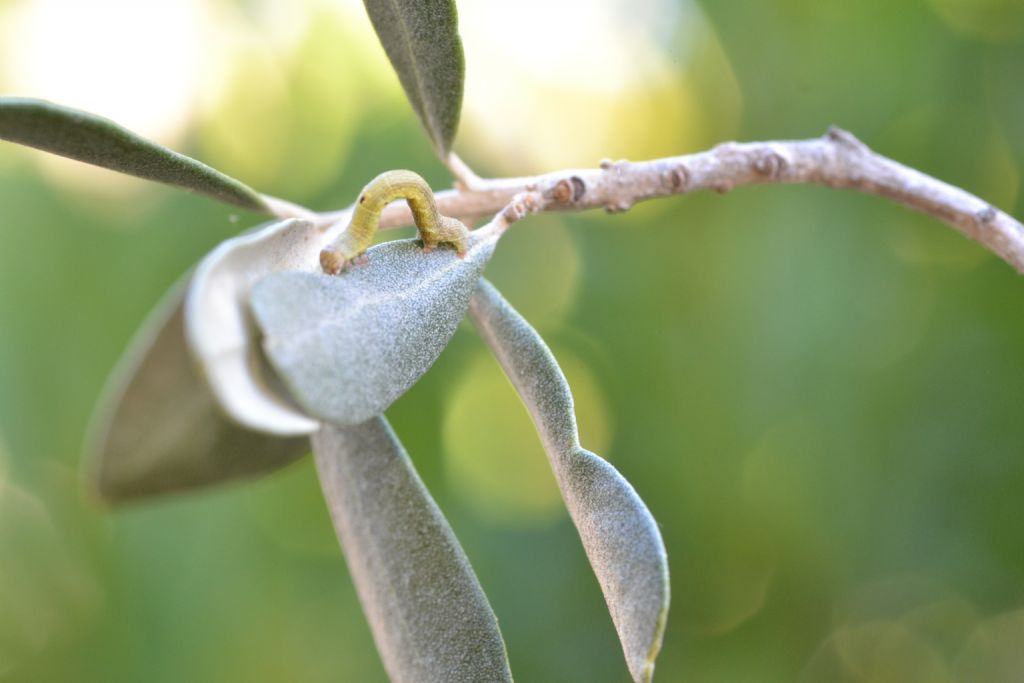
[
  {"x": 104, "y": 56},
  {"x": 780, "y": 473},
  {"x": 877, "y": 652},
  {"x": 989, "y": 169},
  {"x": 730, "y": 582},
  {"x": 542, "y": 282},
  {"x": 47, "y": 591},
  {"x": 83, "y": 55},
  {"x": 995, "y": 651},
  {"x": 923, "y": 604},
  {"x": 247, "y": 134},
  {"x": 286, "y": 114},
  {"x": 493, "y": 456},
  {"x": 904, "y": 627},
  {"x": 610, "y": 86}
]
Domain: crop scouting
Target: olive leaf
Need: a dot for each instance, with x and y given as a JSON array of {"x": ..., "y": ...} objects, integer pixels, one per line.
[
  {"x": 220, "y": 331},
  {"x": 158, "y": 429},
  {"x": 421, "y": 38},
  {"x": 99, "y": 141},
  {"x": 619, "y": 534},
  {"x": 348, "y": 346},
  {"x": 429, "y": 616}
]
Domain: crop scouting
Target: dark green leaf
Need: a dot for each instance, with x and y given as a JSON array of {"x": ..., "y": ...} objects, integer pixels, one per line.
[
  {"x": 421, "y": 38},
  {"x": 101, "y": 142},
  {"x": 619, "y": 534},
  {"x": 429, "y": 616},
  {"x": 159, "y": 429}
]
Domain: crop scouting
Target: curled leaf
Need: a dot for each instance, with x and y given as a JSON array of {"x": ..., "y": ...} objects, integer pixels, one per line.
[
  {"x": 348, "y": 346},
  {"x": 222, "y": 335},
  {"x": 159, "y": 429},
  {"x": 421, "y": 38},
  {"x": 99, "y": 141},
  {"x": 619, "y": 534},
  {"x": 429, "y": 616}
]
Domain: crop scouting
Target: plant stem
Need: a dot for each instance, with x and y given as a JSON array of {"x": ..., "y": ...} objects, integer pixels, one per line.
[{"x": 837, "y": 160}]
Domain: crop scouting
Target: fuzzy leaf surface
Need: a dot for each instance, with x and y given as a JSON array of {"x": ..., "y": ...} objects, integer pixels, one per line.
[
  {"x": 429, "y": 616},
  {"x": 619, "y": 534},
  {"x": 348, "y": 346},
  {"x": 421, "y": 38},
  {"x": 99, "y": 141},
  {"x": 222, "y": 335},
  {"x": 159, "y": 430}
]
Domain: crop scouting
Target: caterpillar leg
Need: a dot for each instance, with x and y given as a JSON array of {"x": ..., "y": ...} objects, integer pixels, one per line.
[{"x": 446, "y": 231}]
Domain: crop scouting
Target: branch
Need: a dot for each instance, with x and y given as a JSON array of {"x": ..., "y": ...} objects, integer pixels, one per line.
[{"x": 837, "y": 160}]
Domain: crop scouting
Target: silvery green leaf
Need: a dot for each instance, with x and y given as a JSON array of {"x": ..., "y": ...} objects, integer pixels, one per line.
[
  {"x": 348, "y": 346},
  {"x": 159, "y": 430},
  {"x": 421, "y": 38},
  {"x": 429, "y": 616},
  {"x": 222, "y": 336},
  {"x": 619, "y": 534},
  {"x": 101, "y": 142}
]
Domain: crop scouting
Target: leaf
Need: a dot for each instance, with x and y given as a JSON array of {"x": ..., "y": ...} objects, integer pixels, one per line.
[
  {"x": 222, "y": 336},
  {"x": 158, "y": 429},
  {"x": 429, "y": 616},
  {"x": 421, "y": 38},
  {"x": 348, "y": 346},
  {"x": 619, "y": 534},
  {"x": 101, "y": 142}
]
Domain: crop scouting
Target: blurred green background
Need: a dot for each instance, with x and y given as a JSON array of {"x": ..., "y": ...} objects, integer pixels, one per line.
[{"x": 817, "y": 393}]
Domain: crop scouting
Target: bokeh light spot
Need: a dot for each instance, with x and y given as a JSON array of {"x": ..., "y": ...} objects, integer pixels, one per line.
[
  {"x": 610, "y": 70},
  {"x": 283, "y": 116},
  {"x": 554, "y": 270},
  {"x": 876, "y": 652},
  {"x": 246, "y": 135},
  {"x": 931, "y": 610},
  {"x": 728, "y": 583},
  {"x": 46, "y": 589},
  {"x": 779, "y": 475},
  {"x": 494, "y": 457},
  {"x": 995, "y": 652},
  {"x": 136, "y": 63}
]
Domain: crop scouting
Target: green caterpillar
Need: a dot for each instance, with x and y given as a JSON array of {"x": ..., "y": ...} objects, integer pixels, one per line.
[{"x": 388, "y": 186}]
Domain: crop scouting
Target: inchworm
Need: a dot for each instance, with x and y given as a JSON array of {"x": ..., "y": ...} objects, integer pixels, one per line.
[{"x": 388, "y": 186}]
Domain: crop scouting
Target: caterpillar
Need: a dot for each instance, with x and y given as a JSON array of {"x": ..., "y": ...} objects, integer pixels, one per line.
[{"x": 434, "y": 228}]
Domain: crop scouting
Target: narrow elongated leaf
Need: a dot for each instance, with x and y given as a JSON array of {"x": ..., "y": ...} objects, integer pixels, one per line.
[
  {"x": 101, "y": 142},
  {"x": 348, "y": 346},
  {"x": 619, "y": 534},
  {"x": 429, "y": 616},
  {"x": 220, "y": 331},
  {"x": 159, "y": 430},
  {"x": 421, "y": 38}
]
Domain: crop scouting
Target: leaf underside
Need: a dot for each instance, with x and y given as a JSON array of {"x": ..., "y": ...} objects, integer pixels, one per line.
[
  {"x": 222, "y": 336},
  {"x": 348, "y": 346},
  {"x": 429, "y": 616},
  {"x": 99, "y": 141},
  {"x": 421, "y": 38},
  {"x": 619, "y": 534},
  {"x": 159, "y": 430}
]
